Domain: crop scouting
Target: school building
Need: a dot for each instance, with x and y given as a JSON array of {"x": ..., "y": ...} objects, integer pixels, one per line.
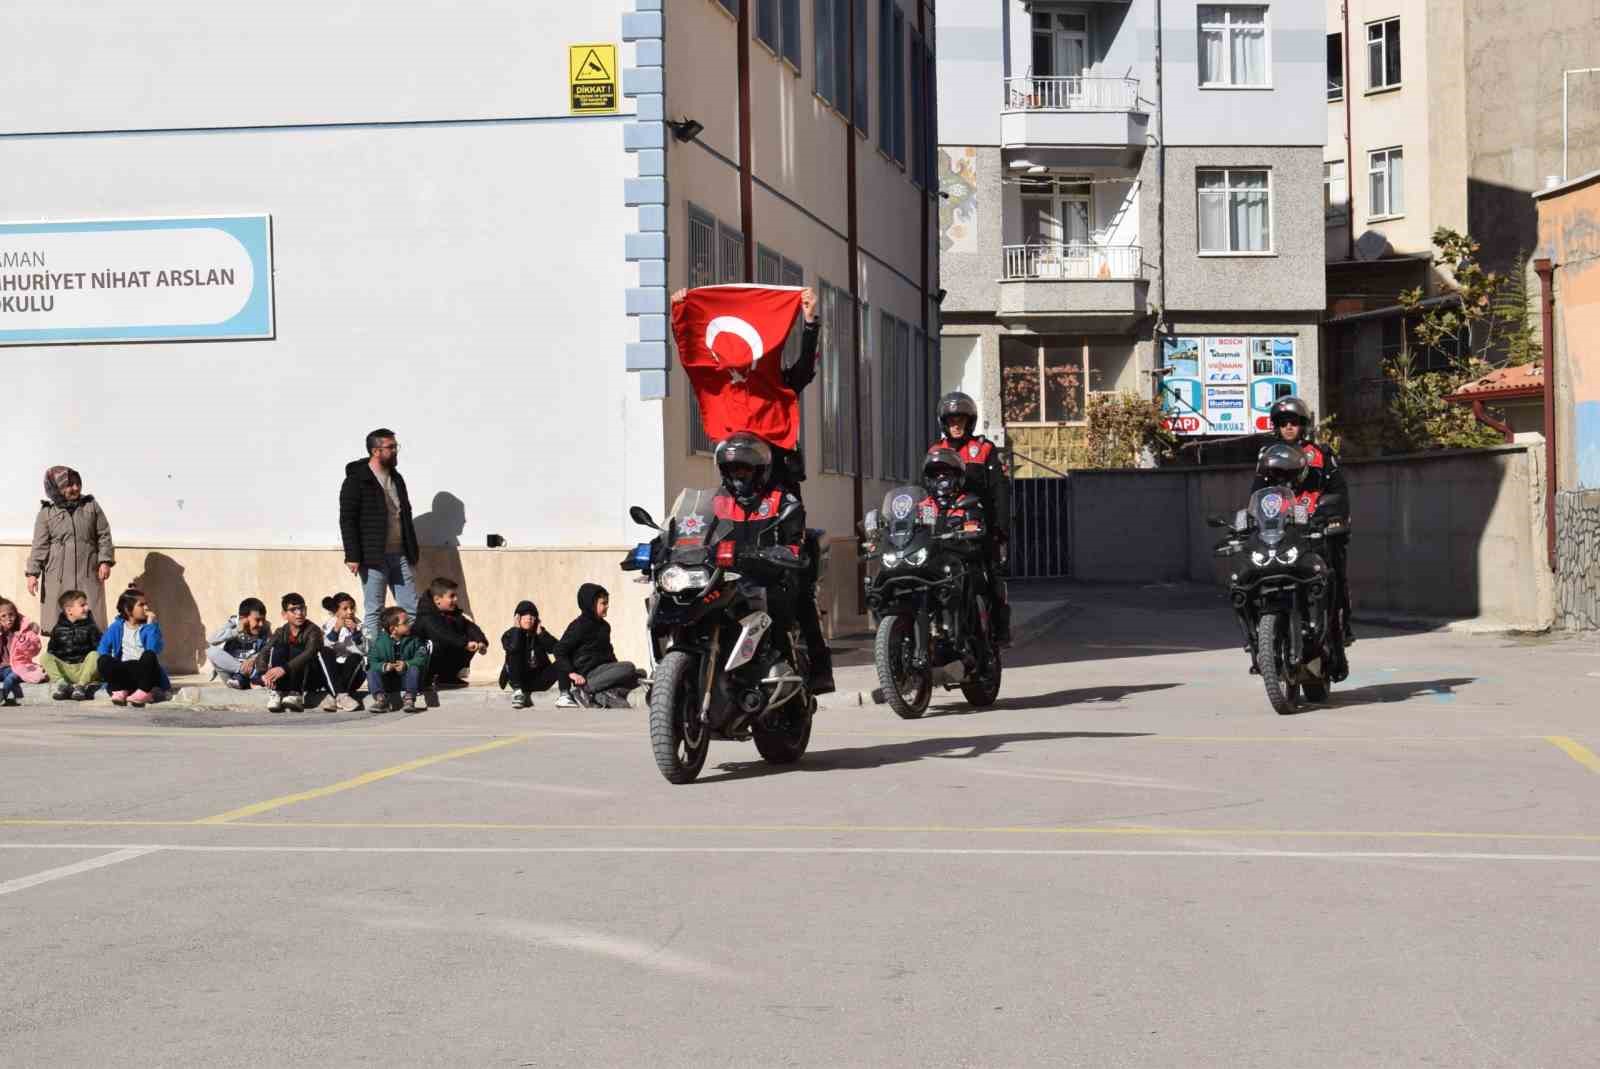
[{"x": 283, "y": 226}]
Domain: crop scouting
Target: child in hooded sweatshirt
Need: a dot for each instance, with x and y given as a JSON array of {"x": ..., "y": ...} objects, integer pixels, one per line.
[
  {"x": 344, "y": 653},
  {"x": 70, "y": 660},
  {"x": 19, "y": 650},
  {"x": 130, "y": 651},
  {"x": 598, "y": 678},
  {"x": 234, "y": 649},
  {"x": 530, "y": 665},
  {"x": 456, "y": 639}
]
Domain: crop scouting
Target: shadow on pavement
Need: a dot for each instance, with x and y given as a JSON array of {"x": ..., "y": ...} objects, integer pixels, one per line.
[
  {"x": 1399, "y": 692},
  {"x": 897, "y": 753},
  {"x": 1081, "y": 696}
]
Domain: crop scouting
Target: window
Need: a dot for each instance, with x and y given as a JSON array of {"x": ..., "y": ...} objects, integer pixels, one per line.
[
  {"x": 886, "y": 93},
  {"x": 838, "y": 380},
  {"x": 1383, "y": 54},
  {"x": 1056, "y": 211},
  {"x": 1233, "y": 45},
  {"x": 1043, "y": 381},
  {"x": 930, "y": 118},
  {"x": 901, "y": 400},
  {"x": 898, "y": 84},
  {"x": 716, "y": 255},
  {"x": 861, "y": 109},
  {"x": 778, "y": 27},
  {"x": 918, "y": 113},
  {"x": 730, "y": 6},
  {"x": 1335, "y": 192},
  {"x": 826, "y": 60},
  {"x": 1386, "y": 183},
  {"x": 1060, "y": 44},
  {"x": 1335, "y": 66},
  {"x": 870, "y": 349},
  {"x": 795, "y": 275},
  {"x": 1235, "y": 211}
]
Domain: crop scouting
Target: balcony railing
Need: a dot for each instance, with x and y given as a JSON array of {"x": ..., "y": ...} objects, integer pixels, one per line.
[
  {"x": 1072, "y": 94},
  {"x": 1085, "y": 263}
]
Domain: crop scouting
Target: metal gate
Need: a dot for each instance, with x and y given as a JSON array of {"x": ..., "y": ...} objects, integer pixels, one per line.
[{"x": 1041, "y": 514}]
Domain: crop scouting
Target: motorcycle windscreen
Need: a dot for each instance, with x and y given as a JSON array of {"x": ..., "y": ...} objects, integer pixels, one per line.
[
  {"x": 902, "y": 512},
  {"x": 1272, "y": 509},
  {"x": 693, "y": 526}
]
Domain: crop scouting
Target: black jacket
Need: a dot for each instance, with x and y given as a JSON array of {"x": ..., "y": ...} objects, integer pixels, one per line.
[
  {"x": 448, "y": 631},
  {"x": 586, "y": 643},
  {"x": 364, "y": 516},
  {"x": 301, "y": 651},
  {"x": 789, "y": 465},
  {"x": 532, "y": 649},
  {"x": 73, "y": 641}
]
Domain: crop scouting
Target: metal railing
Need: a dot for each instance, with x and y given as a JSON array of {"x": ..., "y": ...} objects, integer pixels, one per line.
[
  {"x": 1086, "y": 263},
  {"x": 1072, "y": 94}
]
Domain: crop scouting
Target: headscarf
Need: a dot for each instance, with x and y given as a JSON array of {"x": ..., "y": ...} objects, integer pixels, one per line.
[{"x": 57, "y": 477}]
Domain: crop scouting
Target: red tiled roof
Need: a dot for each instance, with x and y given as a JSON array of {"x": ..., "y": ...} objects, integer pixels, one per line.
[{"x": 1523, "y": 380}]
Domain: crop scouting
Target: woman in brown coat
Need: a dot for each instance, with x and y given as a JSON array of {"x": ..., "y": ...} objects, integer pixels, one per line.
[{"x": 72, "y": 547}]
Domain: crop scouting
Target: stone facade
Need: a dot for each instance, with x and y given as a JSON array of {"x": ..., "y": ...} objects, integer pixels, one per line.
[{"x": 1578, "y": 560}]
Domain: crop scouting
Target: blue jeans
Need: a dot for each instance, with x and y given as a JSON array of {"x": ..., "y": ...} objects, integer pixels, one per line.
[
  {"x": 384, "y": 682},
  {"x": 396, "y": 575},
  {"x": 10, "y": 684}
]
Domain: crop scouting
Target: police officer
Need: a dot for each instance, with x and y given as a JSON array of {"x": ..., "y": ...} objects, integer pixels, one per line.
[
  {"x": 987, "y": 477},
  {"x": 1293, "y": 425}
]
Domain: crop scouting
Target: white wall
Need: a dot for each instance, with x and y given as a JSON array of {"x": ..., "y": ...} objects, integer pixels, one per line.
[{"x": 461, "y": 283}]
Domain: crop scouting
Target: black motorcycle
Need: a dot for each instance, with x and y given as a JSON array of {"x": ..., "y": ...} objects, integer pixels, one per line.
[
  {"x": 931, "y": 601},
  {"x": 1283, "y": 593},
  {"x": 719, "y": 669}
]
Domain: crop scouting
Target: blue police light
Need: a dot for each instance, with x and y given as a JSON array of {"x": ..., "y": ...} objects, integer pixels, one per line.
[{"x": 641, "y": 556}]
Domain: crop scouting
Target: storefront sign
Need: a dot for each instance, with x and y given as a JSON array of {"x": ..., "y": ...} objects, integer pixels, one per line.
[
  {"x": 200, "y": 279},
  {"x": 1225, "y": 385}
]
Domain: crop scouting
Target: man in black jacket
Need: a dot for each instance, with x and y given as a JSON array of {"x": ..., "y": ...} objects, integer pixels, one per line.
[{"x": 380, "y": 541}]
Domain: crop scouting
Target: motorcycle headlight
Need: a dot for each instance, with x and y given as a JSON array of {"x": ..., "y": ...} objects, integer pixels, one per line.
[
  {"x": 1258, "y": 558},
  {"x": 891, "y": 559},
  {"x": 676, "y": 580},
  {"x": 917, "y": 559},
  {"x": 1290, "y": 555}
]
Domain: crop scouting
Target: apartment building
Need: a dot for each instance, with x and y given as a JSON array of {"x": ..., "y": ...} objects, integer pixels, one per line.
[
  {"x": 464, "y": 228},
  {"x": 1440, "y": 113},
  {"x": 1129, "y": 201}
]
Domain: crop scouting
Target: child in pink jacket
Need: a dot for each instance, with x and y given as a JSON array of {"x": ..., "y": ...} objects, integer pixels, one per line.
[{"x": 19, "y": 652}]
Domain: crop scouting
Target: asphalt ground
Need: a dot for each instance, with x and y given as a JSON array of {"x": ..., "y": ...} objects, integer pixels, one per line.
[{"x": 1130, "y": 860}]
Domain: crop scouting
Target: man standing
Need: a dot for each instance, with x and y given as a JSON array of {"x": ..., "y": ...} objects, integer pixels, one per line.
[{"x": 380, "y": 542}]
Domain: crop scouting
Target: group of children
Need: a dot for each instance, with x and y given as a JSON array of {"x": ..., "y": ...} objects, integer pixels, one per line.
[
  {"x": 299, "y": 661},
  {"x": 79, "y": 657},
  {"x": 408, "y": 656}
]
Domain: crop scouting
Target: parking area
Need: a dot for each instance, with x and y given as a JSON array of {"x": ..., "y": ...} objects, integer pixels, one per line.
[{"x": 1130, "y": 860}]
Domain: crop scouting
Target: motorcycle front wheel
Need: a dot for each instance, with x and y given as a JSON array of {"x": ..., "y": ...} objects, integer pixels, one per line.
[
  {"x": 1272, "y": 658},
  {"x": 678, "y": 739},
  {"x": 906, "y": 689}
]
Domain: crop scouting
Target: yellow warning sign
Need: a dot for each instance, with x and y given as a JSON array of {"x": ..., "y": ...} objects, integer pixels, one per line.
[{"x": 592, "y": 73}]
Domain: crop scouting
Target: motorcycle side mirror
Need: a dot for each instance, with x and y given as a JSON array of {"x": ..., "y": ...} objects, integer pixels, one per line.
[{"x": 642, "y": 518}]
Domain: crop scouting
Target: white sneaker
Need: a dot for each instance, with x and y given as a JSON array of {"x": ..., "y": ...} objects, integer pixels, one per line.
[
  {"x": 294, "y": 701},
  {"x": 566, "y": 701},
  {"x": 346, "y": 704},
  {"x": 275, "y": 703}
]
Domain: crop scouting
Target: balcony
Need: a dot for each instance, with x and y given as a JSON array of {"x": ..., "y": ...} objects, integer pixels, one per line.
[
  {"x": 1101, "y": 284},
  {"x": 1083, "y": 112}
]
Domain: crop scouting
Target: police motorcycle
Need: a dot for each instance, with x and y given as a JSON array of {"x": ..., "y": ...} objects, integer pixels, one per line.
[
  {"x": 929, "y": 594},
  {"x": 1283, "y": 588},
  {"x": 719, "y": 667}
]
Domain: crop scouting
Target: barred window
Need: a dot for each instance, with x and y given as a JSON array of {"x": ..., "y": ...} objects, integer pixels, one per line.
[{"x": 716, "y": 256}]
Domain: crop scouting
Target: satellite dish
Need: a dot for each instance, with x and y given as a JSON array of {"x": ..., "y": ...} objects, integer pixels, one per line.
[{"x": 1373, "y": 246}]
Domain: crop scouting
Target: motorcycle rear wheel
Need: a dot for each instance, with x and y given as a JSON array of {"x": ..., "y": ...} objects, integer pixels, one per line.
[
  {"x": 984, "y": 689},
  {"x": 891, "y": 655},
  {"x": 785, "y": 742},
  {"x": 1271, "y": 656},
  {"x": 678, "y": 739}
]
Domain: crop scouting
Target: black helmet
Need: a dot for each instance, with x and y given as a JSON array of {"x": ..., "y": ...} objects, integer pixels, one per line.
[
  {"x": 942, "y": 473},
  {"x": 1293, "y": 410},
  {"x": 958, "y": 404},
  {"x": 744, "y": 450},
  {"x": 1282, "y": 463}
]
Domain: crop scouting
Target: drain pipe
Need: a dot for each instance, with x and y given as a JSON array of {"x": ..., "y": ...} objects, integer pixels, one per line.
[
  {"x": 1161, "y": 206},
  {"x": 1349, "y": 156},
  {"x": 1547, "y": 308}
]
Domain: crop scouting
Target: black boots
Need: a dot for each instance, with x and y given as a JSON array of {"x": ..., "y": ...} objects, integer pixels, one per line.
[{"x": 821, "y": 681}]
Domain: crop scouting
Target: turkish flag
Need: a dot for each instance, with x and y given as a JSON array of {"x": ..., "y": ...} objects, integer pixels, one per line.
[{"x": 730, "y": 340}]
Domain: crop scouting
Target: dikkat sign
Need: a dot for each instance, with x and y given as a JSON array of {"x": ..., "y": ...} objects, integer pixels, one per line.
[
  {"x": 117, "y": 280},
  {"x": 1225, "y": 385}
]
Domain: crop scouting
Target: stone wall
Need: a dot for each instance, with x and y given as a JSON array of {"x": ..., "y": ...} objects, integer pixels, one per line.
[{"x": 1578, "y": 560}]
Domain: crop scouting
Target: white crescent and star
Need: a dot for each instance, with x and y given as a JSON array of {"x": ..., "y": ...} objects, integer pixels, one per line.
[{"x": 741, "y": 330}]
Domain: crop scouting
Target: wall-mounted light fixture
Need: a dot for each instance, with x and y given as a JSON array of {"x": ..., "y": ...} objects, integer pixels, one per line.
[{"x": 686, "y": 129}]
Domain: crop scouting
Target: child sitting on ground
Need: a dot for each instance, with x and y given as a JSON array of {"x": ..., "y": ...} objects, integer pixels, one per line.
[
  {"x": 291, "y": 656},
  {"x": 530, "y": 665},
  {"x": 129, "y": 653},
  {"x": 397, "y": 659},
  {"x": 344, "y": 654},
  {"x": 19, "y": 646},
  {"x": 235, "y": 648},
  {"x": 456, "y": 639},
  {"x": 70, "y": 661},
  {"x": 598, "y": 678}
]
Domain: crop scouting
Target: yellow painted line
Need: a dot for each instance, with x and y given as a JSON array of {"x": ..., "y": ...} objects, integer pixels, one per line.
[
  {"x": 1113, "y": 830},
  {"x": 1576, "y": 750},
  {"x": 359, "y": 781}
]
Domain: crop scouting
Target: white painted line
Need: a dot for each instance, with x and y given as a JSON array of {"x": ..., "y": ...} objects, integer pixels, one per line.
[
  {"x": 915, "y": 851},
  {"x": 513, "y": 785},
  {"x": 1097, "y": 779},
  {"x": 22, "y": 883}
]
